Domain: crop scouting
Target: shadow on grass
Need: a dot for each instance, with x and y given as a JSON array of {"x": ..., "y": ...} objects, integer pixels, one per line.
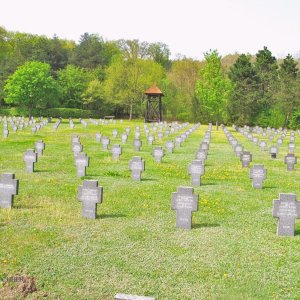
[
  {"x": 27, "y": 207},
  {"x": 40, "y": 171},
  {"x": 204, "y": 225},
  {"x": 110, "y": 216},
  {"x": 297, "y": 231},
  {"x": 208, "y": 183},
  {"x": 148, "y": 179},
  {"x": 269, "y": 187}
]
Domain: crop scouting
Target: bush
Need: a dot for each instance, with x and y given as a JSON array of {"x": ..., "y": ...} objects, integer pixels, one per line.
[
  {"x": 295, "y": 120},
  {"x": 272, "y": 117},
  {"x": 52, "y": 112}
]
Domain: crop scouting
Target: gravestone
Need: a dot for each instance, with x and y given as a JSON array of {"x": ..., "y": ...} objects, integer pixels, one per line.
[
  {"x": 137, "y": 135},
  {"x": 201, "y": 155},
  {"x": 75, "y": 139},
  {"x": 178, "y": 141},
  {"x": 204, "y": 146},
  {"x": 137, "y": 144},
  {"x": 273, "y": 151},
  {"x": 286, "y": 209},
  {"x": 258, "y": 174},
  {"x": 127, "y": 129},
  {"x": 184, "y": 202},
  {"x": 116, "y": 151},
  {"x": 290, "y": 160},
  {"x": 115, "y": 133},
  {"x": 105, "y": 142},
  {"x": 81, "y": 162},
  {"x": 39, "y": 147},
  {"x": 8, "y": 188},
  {"x": 150, "y": 139},
  {"x": 5, "y": 132},
  {"x": 76, "y": 148},
  {"x": 263, "y": 145},
  {"x": 160, "y": 136},
  {"x": 238, "y": 149},
  {"x": 132, "y": 297},
  {"x": 158, "y": 153},
  {"x": 170, "y": 146},
  {"x": 137, "y": 166},
  {"x": 245, "y": 158},
  {"x": 98, "y": 137},
  {"x": 279, "y": 141},
  {"x": 30, "y": 158},
  {"x": 90, "y": 195},
  {"x": 196, "y": 170},
  {"x": 291, "y": 147},
  {"x": 124, "y": 137}
]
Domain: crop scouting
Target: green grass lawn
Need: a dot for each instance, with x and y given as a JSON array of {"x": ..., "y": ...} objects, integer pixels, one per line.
[{"x": 133, "y": 247}]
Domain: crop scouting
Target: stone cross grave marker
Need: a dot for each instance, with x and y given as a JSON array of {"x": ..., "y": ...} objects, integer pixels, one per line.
[
  {"x": 5, "y": 132},
  {"x": 116, "y": 151},
  {"x": 290, "y": 160},
  {"x": 77, "y": 148},
  {"x": 291, "y": 147},
  {"x": 150, "y": 139},
  {"x": 81, "y": 162},
  {"x": 204, "y": 146},
  {"x": 39, "y": 147},
  {"x": 258, "y": 174},
  {"x": 8, "y": 188},
  {"x": 184, "y": 202},
  {"x": 238, "y": 149},
  {"x": 75, "y": 139},
  {"x": 30, "y": 158},
  {"x": 201, "y": 155},
  {"x": 137, "y": 166},
  {"x": 178, "y": 141},
  {"x": 279, "y": 141},
  {"x": 170, "y": 146},
  {"x": 286, "y": 209},
  {"x": 124, "y": 137},
  {"x": 90, "y": 195},
  {"x": 115, "y": 133},
  {"x": 263, "y": 145},
  {"x": 196, "y": 170},
  {"x": 127, "y": 129},
  {"x": 105, "y": 142},
  {"x": 132, "y": 297},
  {"x": 245, "y": 158},
  {"x": 273, "y": 151},
  {"x": 137, "y": 144},
  {"x": 98, "y": 137},
  {"x": 160, "y": 136},
  {"x": 158, "y": 153}
]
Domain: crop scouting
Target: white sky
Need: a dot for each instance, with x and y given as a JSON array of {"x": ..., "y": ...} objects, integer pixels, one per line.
[{"x": 188, "y": 27}]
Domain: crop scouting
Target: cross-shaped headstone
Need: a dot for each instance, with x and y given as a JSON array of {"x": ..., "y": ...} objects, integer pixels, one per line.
[
  {"x": 258, "y": 174},
  {"x": 196, "y": 170},
  {"x": 115, "y": 133},
  {"x": 204, "y": 146},
  {"x": 262, "y": 145},
  {"x": 170, "y": 146},
  {"x": 245, "y": 158},
  {"x": 178, "y": 141},
  {"x": 238, "y": 149},
  {"x": 5, "y": 132},
  {"x": 158, "y": 153},
  {"x": 201, "y": 155},
  {"x": 30, "y": 158},
  {"x": 150, "y": 139},
  {"x": 90, "y": 194},
  {"x": 124, "y": 137},
  {"x": 81, "y": 162},
  {"x": 8, "y": 188},
  {"x": 105, "y": 142},
  {"x": 160, "y": 135},
  {"x": 286, "y": 209},
  {"x": 98, "y": 137},
  {"x": 77, "y": 148},
  {"x": 273, "y": 151},
  {"x": 137, "y": 144},
  {"x": 184, "y": 202},
  {"x": 290, "y": 160},
  {"x": 291, "y": 147},
  {"x": 39, "y": 147},
  {"x": 137, "y": 166},
  {"x": 116, "y": 151}
]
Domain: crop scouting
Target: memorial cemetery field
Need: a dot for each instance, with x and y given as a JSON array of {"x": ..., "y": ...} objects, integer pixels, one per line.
[{"x": 133, "y": 246}]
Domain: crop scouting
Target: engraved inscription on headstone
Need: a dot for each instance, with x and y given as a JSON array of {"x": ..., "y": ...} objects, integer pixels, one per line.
[
  {"x": 184, "y": 202},
  {"x": 81, "y": 162},
  {"x": 245, "y": 158},
  {"x": 286, "y": 209},
  {"x": 137, "y": 166},
  {"x": 258, "y": 174},
  {"x": 90, "y": 194},
  {"x": 116, "y": 151},
  {"x": 137, "y": 144},
  {"x": 158, "y": 153},
  {"x": 196, "y": 170},
  {"x": 39, "y": 147},
  {"x": 290, "y": 160}
]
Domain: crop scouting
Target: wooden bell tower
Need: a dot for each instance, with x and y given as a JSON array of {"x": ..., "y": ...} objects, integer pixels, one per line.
[{"x": 153, "y": 104}]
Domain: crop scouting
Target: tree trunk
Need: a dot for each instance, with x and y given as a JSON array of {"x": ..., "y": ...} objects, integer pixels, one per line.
[
  {"x": 286, "y": 120},
  {"x": 217, "y": 123},
  {"x": 130, "y": 112}
]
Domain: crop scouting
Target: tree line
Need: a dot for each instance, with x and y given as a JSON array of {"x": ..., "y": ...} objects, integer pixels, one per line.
[{"x": 111, "y": 76}]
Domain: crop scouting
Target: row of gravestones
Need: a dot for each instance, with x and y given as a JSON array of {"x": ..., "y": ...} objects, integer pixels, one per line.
[
  {"x": 286, "y": 208},
  {"x": 257, "y": 173},
  {"x": 290, "y": 159},
  {"x": 20, "y": 123},
  {"x": 31, "y": 156}
]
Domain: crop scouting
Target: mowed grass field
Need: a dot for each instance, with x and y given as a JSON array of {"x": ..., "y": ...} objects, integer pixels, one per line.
[{"x": 133, "y": 247}]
